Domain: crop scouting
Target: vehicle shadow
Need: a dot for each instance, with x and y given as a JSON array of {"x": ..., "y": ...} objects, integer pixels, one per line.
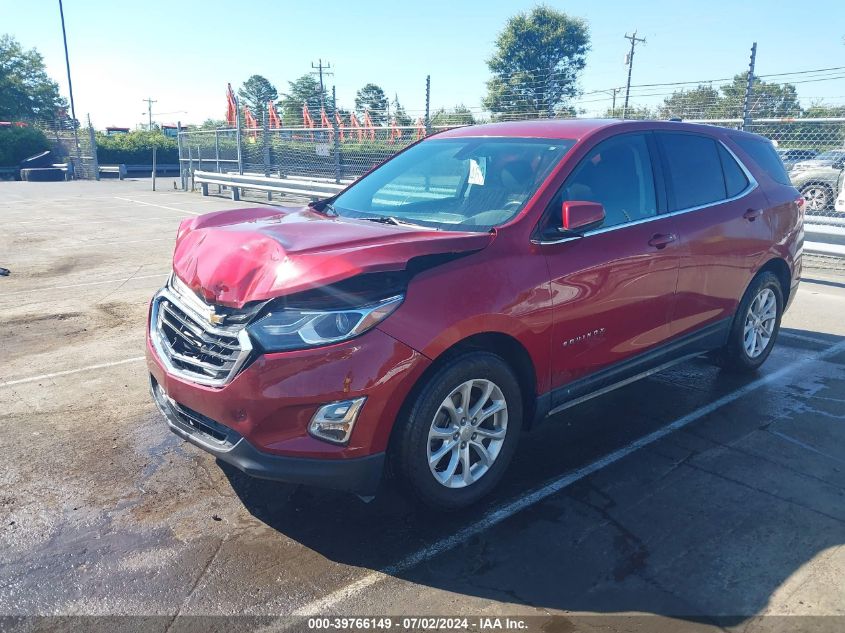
[{"x": 704, "y": 524}]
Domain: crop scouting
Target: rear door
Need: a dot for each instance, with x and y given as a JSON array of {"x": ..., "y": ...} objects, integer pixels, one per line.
[
  {"x": 612, "y": 289},
  {"x": 720, "y": 214}
]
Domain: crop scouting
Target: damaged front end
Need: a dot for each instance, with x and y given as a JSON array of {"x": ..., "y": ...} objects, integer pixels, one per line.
[{"x": 249, "y": 284}]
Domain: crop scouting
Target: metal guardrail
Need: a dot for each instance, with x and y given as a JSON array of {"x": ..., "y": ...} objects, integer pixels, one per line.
[
  {"x": 826, "y": 239},
  {"x": 120, "y": 170},
  {"x": 147, "y": 169},
  {"x": 314, "y": 189}
]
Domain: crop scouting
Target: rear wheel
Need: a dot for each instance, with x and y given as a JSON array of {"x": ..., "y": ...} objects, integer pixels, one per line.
[
  {"x": 755, "y": 327},
  {"x": 460, "y": 432}
]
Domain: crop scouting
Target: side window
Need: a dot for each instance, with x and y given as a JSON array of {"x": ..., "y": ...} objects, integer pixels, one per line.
[
  {"x": 694, "y": 171},
  {"x": 616, "y": 173},
  {"x": 735, "y": 179},
  {"x": 763, "y": 153}
]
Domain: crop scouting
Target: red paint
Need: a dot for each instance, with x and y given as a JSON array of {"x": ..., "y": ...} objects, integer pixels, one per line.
[
  {"x": 578, "y": 214},
  {"x": 234, "y": 257},
  {"x": 631, "y": 289}
]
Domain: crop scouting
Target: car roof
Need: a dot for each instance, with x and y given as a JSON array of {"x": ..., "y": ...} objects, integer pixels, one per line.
[{"x": 577, "y": 128}]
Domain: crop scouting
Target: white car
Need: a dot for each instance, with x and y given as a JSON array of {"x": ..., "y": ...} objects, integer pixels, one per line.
[{"x": 839, "y": 205}]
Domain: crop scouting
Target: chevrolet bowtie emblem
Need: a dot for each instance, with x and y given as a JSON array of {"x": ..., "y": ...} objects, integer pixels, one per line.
[{"x": 214, "y": 318}]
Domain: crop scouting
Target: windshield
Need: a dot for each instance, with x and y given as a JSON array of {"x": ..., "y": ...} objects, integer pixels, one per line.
[
  {"x": 831, "y": 155},
  {"x": 467, "y": 184}
]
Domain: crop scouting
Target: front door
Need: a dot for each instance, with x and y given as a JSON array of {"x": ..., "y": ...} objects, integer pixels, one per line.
[{"x": 613, "y": 289}]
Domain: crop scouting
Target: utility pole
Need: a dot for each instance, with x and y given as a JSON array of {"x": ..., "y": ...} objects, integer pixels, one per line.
[
  {"x": 613, "y": 92},
  {"x": 70, "y": 88},
  {"x": 634, "y": 41},
  {"x": 322, "y": 69},
  {"x": 749, "y": 87},
  {"x": 150, "y": 101}
]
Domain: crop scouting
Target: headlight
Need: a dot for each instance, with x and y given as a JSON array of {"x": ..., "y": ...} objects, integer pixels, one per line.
[{"x": 297, "y": 328}]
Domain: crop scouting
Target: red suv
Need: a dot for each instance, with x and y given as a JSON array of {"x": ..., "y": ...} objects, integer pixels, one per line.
[{"x": 476, "y": 283}]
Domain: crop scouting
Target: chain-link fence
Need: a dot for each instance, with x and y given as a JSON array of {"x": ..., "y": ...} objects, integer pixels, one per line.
[
  {"x": 810, "y": 136},
  {"x": 338, "y": 153},
  {"x": 813, "y": 150},
  {"x": 73, "y": 144}
]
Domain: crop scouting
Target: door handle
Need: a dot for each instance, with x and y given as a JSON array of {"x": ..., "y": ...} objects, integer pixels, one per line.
[
  {"x": 752, "y": 214},
  {"x": 661, "y": 240}
]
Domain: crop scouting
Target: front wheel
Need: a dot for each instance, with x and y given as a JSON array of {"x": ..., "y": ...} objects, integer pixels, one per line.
[
  {"x": 755, "y": 325},
  {"x": 459, "y": 435}
]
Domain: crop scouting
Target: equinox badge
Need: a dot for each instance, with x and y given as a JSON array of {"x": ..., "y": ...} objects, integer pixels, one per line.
[{"x": 584, "y": 337}]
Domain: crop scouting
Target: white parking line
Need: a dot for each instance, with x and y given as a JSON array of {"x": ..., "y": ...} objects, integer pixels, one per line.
[
  {"x": 497, "y": 515},
  {"x": 803, "y": 337},
  {"x": 49, "y": 223},
  {"x": 160, "y": 206},
  {"x": 68, "y": 372},
  {"x": 171, "y": 238},
  {"x": 87, "y": 283}
]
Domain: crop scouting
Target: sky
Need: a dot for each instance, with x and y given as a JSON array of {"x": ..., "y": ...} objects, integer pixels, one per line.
[{"x": 183, "y": 52}]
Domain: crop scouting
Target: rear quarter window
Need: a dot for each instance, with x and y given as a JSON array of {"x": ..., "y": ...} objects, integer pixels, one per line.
[
  {"x": 763, "y": 153},
  {"x": 735, "y": 180}
]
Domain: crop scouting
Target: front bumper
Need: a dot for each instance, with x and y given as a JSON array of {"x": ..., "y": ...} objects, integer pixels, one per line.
[{"x": 360, "y": 475}]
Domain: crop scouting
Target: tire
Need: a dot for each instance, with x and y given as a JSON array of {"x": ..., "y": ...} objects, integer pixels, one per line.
[
  {"x": 740, "y": 354},
  {"x": 817, "y": 197},
  {"x": 428, "y": 426}
]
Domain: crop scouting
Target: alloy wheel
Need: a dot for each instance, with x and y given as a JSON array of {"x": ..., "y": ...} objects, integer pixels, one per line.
[
  {"x": 467, "y": 433},
  {"x": 816, "y": 198},
  {"x": 760, "y": 323}
]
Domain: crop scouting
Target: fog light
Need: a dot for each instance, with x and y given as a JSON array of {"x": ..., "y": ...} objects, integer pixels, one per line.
[{"x": 334, "y": 422}]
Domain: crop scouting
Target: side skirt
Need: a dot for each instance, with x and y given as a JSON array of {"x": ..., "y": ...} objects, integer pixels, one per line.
[{"x": 641, "y": 366}]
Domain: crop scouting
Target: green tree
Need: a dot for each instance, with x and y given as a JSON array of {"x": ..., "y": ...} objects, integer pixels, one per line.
[
  {"x": 459, "y": 115},
  {"x": 371, "y": 98},
  {"x": 637, "y": 113},
  {"x": 26, "y": 92},
  {"x": 768, "y": 100},
  {"x": 398, "y": 113},
  {"x": 256, "y": 92},
  {"x": 702, "y": 102},
  {"x": 17, "y": 143},
  {"x": 306, "y": 89},
  {"x": 137, "y": 146},
  {"x": 212, "y": 124},
  {"x": 536, "y": 63}
]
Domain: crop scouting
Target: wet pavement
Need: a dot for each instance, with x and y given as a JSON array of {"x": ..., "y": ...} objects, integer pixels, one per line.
[{"x": 704, "y": 499}]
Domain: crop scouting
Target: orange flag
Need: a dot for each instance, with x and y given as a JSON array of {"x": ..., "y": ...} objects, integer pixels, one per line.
[
  {"x": 272, "y": 116},
  {"x": 231, "y": 108},
  {"x": 370, "y": 127},
  {"x": 356, "y": 125},
  {"x": 339, "y": 120}
]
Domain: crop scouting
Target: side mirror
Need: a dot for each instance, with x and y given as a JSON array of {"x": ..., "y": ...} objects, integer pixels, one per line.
[{"x": 580, "y": 215}]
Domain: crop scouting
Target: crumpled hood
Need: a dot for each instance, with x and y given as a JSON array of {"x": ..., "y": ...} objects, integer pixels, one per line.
[{"x": 234, "y": 257}]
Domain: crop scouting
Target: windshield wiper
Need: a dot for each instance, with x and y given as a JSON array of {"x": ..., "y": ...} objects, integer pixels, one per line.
[
  {"x": 390, "y": 219},
  {"x": 325, "y": 207}
]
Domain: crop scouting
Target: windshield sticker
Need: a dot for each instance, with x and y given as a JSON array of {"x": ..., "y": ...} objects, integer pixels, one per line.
[{"x": 477, "y": 170}]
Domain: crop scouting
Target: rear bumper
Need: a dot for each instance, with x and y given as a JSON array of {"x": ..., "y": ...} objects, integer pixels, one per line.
[{"x": 360, "y": 475}]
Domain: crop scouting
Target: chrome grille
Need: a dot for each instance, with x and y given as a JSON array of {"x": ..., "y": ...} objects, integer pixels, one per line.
[{"x": 189, "y": 345}]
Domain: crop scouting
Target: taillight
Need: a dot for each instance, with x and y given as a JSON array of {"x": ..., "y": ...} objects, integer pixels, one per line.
[{"x": 800, "y": 202}]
